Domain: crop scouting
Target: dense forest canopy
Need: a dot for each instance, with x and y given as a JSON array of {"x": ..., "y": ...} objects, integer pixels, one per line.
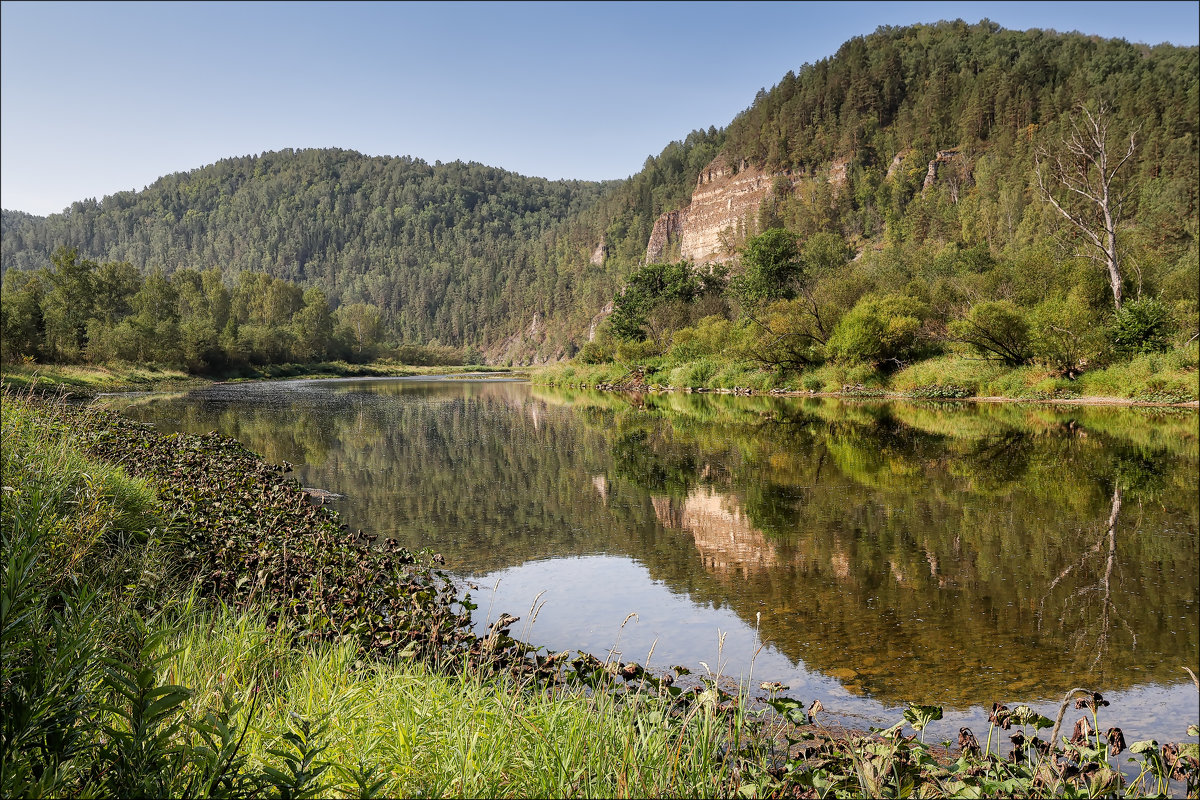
[{"x": 905, "y": 162}]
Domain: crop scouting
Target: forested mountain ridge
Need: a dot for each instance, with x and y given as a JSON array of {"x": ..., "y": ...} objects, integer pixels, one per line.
[
  {"x": 460, "y": 253},
  {"x": 432, "y": 244},
  {"x": 913, "y": 146},
  {"x": 980, "y": 101}
]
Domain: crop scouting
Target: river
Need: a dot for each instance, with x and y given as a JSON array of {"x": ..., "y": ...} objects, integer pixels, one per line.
[{"x": 868, "y": 554}]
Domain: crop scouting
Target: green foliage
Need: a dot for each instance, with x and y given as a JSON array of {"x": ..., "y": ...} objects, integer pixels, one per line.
[
  {"x": 650, "y": 289},
  {"x": 712, "y": 335},
  {"x": 824, "y": 252},
  {"x": 1142, "y": 326},
  {"x": 1068, "y": 335},
  {"x": 772, "y": 267},
  {"x": 995, "y": 329},
  {"x": 595, "y": 352},
  {"x": 880, "y": 328}
]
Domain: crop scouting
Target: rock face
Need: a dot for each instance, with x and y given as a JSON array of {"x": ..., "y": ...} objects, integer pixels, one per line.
[
  {"x": 599, "y": 253},
  {"x": 596, "y": 320},
  {"x": 722, "y": 211},
  {"x": 667, "y": 231},
  {"x": 724, "y": 205},
  {"x": 943, "y": 156}
]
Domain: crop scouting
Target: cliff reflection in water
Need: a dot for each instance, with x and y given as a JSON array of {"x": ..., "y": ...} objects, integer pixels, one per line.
[{"x": 922, "y": 553}]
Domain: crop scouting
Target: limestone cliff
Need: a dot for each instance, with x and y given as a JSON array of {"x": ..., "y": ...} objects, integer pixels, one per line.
[
  {"x": 722, "y": 212},
  {"x": 931, "y": 173},
  {"x": 724, "y": 206},
  {"x": 599, "y": 253},
  {"x": 665, "y": 236}
]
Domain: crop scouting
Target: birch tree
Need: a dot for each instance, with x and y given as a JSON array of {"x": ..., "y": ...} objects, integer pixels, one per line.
[{"x": 1080, "y": 179}]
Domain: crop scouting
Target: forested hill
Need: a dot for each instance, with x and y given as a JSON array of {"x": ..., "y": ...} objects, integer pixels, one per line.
[
  {"x": 460, "y": 253},
  {"x": 449, "y": 249},
  {"x": 465, "y": 254}
]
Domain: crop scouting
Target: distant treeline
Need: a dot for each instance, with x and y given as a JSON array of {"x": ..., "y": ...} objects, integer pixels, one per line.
[
  {"x": 469, "y": 255},
  {"x": 80, "y": 311}
]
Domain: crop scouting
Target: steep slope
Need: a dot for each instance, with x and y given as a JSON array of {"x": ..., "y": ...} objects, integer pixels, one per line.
[
  {"x": 927, "y": 135},
  {"x": 917, "y": 140}
]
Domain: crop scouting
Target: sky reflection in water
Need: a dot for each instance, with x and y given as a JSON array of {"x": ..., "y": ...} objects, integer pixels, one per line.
[{"x": 887, "y": 553}]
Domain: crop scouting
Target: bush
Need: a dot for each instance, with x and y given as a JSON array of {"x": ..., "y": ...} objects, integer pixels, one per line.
[
  {"x": 1067, "y": 336},
  {"x": 880, "y": 329},
  {"x": 635, "y": 352},
  {"x": 1142, "y": 326},
  {"x": 710, "y": 336},
  {"x": 594, "y": 353},
  {"x": 995, "y": 329}
]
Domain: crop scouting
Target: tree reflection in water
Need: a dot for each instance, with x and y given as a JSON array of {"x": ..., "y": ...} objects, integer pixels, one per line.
[{"x": 934, "y": 553}]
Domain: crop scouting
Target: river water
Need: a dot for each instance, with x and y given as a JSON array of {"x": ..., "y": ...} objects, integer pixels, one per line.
[{"x": 868, "y": 554}]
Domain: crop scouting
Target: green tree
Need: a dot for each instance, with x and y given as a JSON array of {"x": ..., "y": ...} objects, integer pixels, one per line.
[
  {"x": 359, "y": 326},
  {"x": 68, "y": 304},
  {"x": 995, "y": 329},
  {"x": 114, "y": 285},
  {"x": 313, "y": 327},
  {"x": 773, "y": 269},
  {"x": 1142, "y": 326},
  {"x": 22, "y": 327},
  {"x": 880, "y": 329},
  {"x": 1068, "y": 335},
  {"x": 653, "y": 288}
]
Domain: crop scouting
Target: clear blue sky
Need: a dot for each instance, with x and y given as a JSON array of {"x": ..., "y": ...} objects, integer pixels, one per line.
[{"x": 103, "y": 97}]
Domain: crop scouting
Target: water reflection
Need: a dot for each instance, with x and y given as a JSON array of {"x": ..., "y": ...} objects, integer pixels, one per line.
[{"x": 898, "y": 552}]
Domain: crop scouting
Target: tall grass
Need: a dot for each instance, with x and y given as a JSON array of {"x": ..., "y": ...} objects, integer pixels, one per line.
[
  {"x": 438, "y": 734},
  {"x": 118, "y": 682}
]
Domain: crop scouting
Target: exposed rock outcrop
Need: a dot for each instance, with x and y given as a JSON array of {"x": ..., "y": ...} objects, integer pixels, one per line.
[
  {"x": 599, "y": 253},
  {"x": 839, "y": 174},
  {"x": 667, "y": 231},
  {"x": 596, "y": 320},
  {"x": 894, "y": 167},
  {"x": 943, "y": 156},
  {"x": 722, "y": 212},
  {"x": 723, "y": 208}
]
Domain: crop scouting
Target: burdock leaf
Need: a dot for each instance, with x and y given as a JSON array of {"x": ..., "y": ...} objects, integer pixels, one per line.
[
  {"x": 1023, "y": 715},
  {"x": 1147, "y": 746},
  {"x": 920, "y": 716}
]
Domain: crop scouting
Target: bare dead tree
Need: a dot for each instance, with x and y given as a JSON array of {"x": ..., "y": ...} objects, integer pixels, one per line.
[
  {"x": 1097, "y": 630},
  {"x": 1080, "y": 180}
]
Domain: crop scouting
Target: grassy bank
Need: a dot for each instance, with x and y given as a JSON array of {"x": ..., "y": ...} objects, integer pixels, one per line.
[
  {"x": 188, "y": 624},
  {"x": 132, "y": 668},
  {"x": 1169, "y": 378},
  {"x": 87, "y": 381}
]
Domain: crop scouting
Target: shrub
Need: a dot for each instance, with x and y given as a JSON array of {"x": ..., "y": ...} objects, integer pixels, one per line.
[
  {"x": 996, "y": 329},
  {"x": 1142, "y": 326},
  {"x": 635, "y": 352},
  {"x": 1066, "y": 335},
  {"x": 594, "y": 353},
  {"x": 880, "y": 329},
  {"x": 710, "y": 336}
]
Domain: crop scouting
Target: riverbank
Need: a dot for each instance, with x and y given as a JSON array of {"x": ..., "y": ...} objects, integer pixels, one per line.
[
  {"x": 1161, "y": 379},
  {"x": 88, "y": 381},
  {"x": 248, "y": 612}
]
